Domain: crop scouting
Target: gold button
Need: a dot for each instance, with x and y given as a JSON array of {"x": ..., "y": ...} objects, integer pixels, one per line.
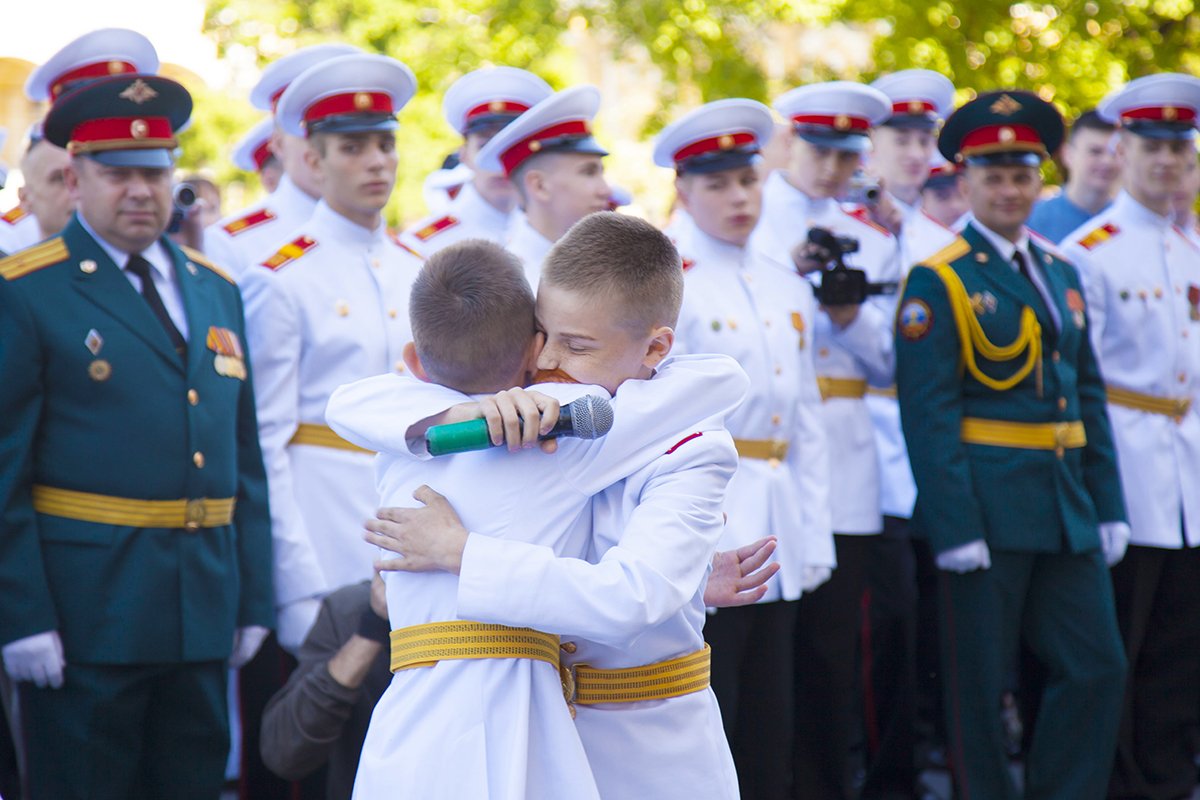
[
  {"x": 776, "y": 419},
  {"x": 569, "y": 648},
  {"x": 778, "y": 370},
  {"x": 1185, "y": 333},
  {"x": 1059, "y": 451},
  {"x": 823, "y": 352},
  {"x": 375, "y": 262},
  {"x": 392, "y": 313},
  {"x": 774, "y": 463},
  {"x": 1055, "y": 357},
  {"x": 198, "y": 459},
  {"x": 400, "y": 367},
  {"x": 1183, "y": 377},
  {"x": 766, "y": 323},
  {"x": 193, "y": 397},
  {"x": 1062, "y": 404}
]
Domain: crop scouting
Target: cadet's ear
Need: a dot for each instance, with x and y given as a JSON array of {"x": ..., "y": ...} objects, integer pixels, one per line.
[
  {"x": 662, "y": 339},
  {"x": 312, "y": 158},
  {"x": 536, "y": 185},
  {"x": 682, "y": 186},
  {"x": 413, "y": 361}
]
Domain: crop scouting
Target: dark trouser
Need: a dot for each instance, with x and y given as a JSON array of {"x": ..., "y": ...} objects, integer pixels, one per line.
[
  {"x": 930, "y": 714},
  {"x": 120, "y": 732},
  {"x": 827, "y": 630},
  {"x": 1061, "y": 604},
  {"x": 1158, "y": 610},
  {"x": 752, "y": 649},
  {"x": 889, "y": 663}
]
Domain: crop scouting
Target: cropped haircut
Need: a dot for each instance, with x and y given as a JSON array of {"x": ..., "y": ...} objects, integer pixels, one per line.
[
  {"x": 472, "y": 316},
  {"x": 1090, "y": 121},
  {"x": 616, "y": 256}
]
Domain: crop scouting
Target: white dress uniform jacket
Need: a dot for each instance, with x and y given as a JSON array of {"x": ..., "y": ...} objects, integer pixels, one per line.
[
  {"x": 761, "y": 314},
  {"x": 332, "y": 312},
  {"x": 242, "y": 240},
  {"x": 861, "y": 351},
  {"x": 468, "y": 216},
  {"x": 511, "y": 735},
  {"x": 920, "y": 237},
  {"x": 530, "y": 246},
  {"x": 18, "y": 229},
  {"x": 1141, "y": 277}
]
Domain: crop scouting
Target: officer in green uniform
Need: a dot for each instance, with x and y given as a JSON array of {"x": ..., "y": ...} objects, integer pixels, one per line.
[
  {"x": 135, "y": 546},
  {"x": 1004, "y": 416}
]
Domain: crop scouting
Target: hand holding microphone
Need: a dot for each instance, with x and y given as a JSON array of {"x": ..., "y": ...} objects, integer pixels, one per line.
[{"x": 522, "y": 418}]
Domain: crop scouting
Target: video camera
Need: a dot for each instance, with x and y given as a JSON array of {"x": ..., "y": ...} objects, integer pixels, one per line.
[
  {"x": 183, "y": 197},
  {"x": 842, "y": 285}
]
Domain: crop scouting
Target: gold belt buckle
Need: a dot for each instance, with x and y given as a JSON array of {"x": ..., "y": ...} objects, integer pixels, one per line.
[
  {"x": 1182, "y": 406},
  {"x": 570, "y": 685},
  {"x": 1061, "y": 432},
  {"x": 194, "y": 515}
]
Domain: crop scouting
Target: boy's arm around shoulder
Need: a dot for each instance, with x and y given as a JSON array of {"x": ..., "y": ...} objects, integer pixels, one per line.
[
  {"x": 658, "y": 565},
  {"x": 377, "y": 413}
]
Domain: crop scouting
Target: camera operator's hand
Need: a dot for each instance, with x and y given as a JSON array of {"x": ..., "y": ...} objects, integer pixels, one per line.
[
  {"x": 841, "y": 316},
  {"x": 809, "y": 257},
  {"x": 886, "y": 213}
]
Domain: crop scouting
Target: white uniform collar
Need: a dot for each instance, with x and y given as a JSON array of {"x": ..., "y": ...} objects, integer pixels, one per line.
[
  {"x": 784, "y": 192},
  {"x": 527, "y": 242},
  {"x": 1131, "y": 209},
  {"x": 471, "y": 206},
  {"x": 710, "y": 246},
  {"x": 289, "y": 200},
  {"x": 342, "y": 229}
]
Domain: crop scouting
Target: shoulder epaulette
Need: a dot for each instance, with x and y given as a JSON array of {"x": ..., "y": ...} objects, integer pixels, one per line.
[
  {"x": 396, "y": 240},
  {"x": 951, "y": 252},
  {"x": 52, "y": 251},
  {"x": 1047, "y": 246},
  {"x": 290, "y": 252},
  {"x": 14, "y": 215},
  {"x": 862, "y": 215},
  {"x": 202, "y": 260},
  {"x": 1099, "y": 236},
  {"x": 251, "y": 220},
  {"x": 687, "y": 263},
  {"x": 434, "y": 228}
]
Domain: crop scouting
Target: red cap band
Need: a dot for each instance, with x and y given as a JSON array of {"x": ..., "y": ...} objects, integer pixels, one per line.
[
  {"x": 121, "y": 133},
  {"x": 912, "y": 107},
  {"x": 98, "y": 69},
  {"x": 349, "y": 103},
  {"x": 1160, "y": 114},
  {"x": 1000, "y": 139},
  {"x": 842, "y": 123},
  {"x": 727, "y": 141},
  {"x": 497, "y": 107},
  {"x": 530, "y": 145},
  {"x": 261, "y": 155}
]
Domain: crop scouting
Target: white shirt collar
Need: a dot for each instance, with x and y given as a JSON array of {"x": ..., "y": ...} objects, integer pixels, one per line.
[
  {"x": 1003, "y": 246},
  {"x": 154, "y": 253},
  {"x": 1125, "y": 204}
]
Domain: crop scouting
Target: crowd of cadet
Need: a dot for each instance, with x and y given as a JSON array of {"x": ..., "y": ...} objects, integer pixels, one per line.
[{"x": 903, "y": 473}]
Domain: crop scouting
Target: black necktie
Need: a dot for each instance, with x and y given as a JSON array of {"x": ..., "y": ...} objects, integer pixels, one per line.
[
  {"x": 1022, "y": 267},
  {"x": 141, "y": 267}
]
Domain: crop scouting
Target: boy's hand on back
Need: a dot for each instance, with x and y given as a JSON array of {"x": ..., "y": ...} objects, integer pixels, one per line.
[
  {"x": 738, "y": 577},
  {"x": 518, "y": 416},
  {"x": 431, "y": 539}
]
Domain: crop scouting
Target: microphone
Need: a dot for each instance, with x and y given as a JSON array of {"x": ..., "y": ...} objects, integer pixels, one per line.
[{"x": 589, "y": 417}]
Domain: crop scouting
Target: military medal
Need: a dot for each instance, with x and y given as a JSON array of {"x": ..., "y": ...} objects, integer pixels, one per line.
[
  {"x": 228, "y": 360},
  {"x": 1193, "y": 296},
  {"x": 914, "y": 320},
  {"x": 798, "y": 324},
  {"x": 1075, "y": 304},
  {"x": 93, "y": 342},
  {"x": 99, "y": 370}
]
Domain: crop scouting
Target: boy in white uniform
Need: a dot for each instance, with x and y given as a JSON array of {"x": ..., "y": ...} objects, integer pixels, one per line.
[
  {"x": 510, "y": 734},
  {"x": 640, "y": 602}
]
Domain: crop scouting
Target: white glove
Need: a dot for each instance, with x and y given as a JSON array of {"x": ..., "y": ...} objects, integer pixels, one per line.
[
  {"x": 246, "y": 642},
  {"x": 812, "y": 576},
  {"x": 1114, "y": 538},
  {"x": 966, "y": 558},
  {"x": 294, "y": 620},
  {"x": 37, "y": 658}
]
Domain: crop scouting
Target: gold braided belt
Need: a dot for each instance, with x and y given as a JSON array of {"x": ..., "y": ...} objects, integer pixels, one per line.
[
  {"x": 848, "y": 388},
  {"x": 1056, "y": 436},
  {"x": 763, "y": 449},
  {"x": 190, "y": 515},
  {"x": 425, "y": 645},
  {"x": 1175, "y": 407},
  {"x": 323, "y": 436}
]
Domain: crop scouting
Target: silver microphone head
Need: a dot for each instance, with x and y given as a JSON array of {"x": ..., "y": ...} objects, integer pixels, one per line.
[{"x": 591, "y": 416}]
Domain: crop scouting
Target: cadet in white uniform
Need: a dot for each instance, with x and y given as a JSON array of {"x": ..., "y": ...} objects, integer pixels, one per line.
[
  {"x": 759, "y": 313},
  {"x": 478, "y": 105},
  {"x": 329, "y": 307},
  {"x": 902, "y": 147},
  {"x": 243, "y": 239},
  {"x": 1141, "y": 276},
  {"x": 253, "y": 154},
  {"x": 550, "y": 156},
  {"x": 831, "y": 121}
]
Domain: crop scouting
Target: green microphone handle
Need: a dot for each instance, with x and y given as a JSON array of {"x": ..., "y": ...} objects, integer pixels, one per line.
[{"x": 458, "y": 437}]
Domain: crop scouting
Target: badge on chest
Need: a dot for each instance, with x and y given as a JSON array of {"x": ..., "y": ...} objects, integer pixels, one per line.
[
  {"x": 229, "y": 360},
  {"x": 1076, "y": 306}
]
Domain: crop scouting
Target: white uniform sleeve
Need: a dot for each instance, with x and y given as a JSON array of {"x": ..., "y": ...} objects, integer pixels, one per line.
[
  {"x": 219, "y": 247},
  {"x": 869, "y": 340},
  {"x": 809, "y": 460},
  {"x": 658, "y": 565},
  {"x": 377, "y": 412},
  {"x": 1094, "y": 291},
  {"x": 273, "y": 335}
]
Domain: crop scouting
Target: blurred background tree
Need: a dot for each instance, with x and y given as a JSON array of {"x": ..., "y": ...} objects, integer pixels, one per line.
[{"x": 654, "y": 58}]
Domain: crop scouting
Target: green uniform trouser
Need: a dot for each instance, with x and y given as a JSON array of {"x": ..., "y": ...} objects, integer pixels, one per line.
[
  {"x": 122, "y": 732},
  {"x": 1061, "y": 604}
]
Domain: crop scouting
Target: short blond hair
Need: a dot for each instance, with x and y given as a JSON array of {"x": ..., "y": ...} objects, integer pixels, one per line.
[
  {"x": 613, "y": 255},
  {"x": 472, "y": 315}
]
